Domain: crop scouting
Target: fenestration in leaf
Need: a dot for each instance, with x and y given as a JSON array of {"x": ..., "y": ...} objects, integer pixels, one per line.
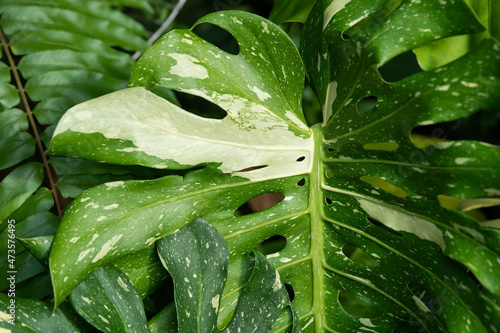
[{"x": 361, "y": 186}]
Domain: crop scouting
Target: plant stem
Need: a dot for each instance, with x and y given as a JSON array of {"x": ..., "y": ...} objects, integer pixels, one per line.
[
  {"x": 163, "y": 27},
  {"x": 32, "y": 122}
]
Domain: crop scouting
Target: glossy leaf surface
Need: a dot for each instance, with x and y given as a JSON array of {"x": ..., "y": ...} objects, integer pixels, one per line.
[{"x": 368, "y": 244}]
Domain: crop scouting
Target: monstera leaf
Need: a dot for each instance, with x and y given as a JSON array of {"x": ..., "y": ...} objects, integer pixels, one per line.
[{"x": 369, "y": 246}]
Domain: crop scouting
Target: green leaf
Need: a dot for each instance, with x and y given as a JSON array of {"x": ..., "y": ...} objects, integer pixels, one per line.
[
  {"x": 70, "y": 20},
  {"x": 33, "y": 316},
  {"x": 12, "y": 122},
  {"x": 197, "y": 258},
  {"x": 108, "y": 300},
  {"x": 26, "y": 267},
  {"x": 144, "y": 269},
  {"x": 16, "y": 148},
  {"x": 36, "y": 288},
  {"x": 248, "y": 103},
  {"x": 73, "y": 186},
  {"x": 444, "y": 51},
  {"x": 368, "y": 244},
  {"x": 40, "y": 201},
  {"x": 17, "y": 187},
  {"x": 262, "y": 300},
  {"x": 41, "y": 224},
  {"x": 291, "y": 11}
]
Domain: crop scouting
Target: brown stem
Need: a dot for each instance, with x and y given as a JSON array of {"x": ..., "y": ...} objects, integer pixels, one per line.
[{"x": 31, "y": 120}]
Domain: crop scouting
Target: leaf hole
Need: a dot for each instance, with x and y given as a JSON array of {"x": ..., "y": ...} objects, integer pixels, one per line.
[
  {"x": 217, "y": 36},
  {"x": 400, "y": 67},
  {"x": 328, "y": 201},
  {"x": 272, "y": 245},
  {"x": 330, "y": 149},
  {"x": 257, "y": 167},
  {"x": 423, "y": 299},
  {"x": 301, "y": 182},
  {"x": 366, "y": 104},
  {"x": 200, "y": 106},
  {"x": 345, "y": 36},
  {"x": 379, "y": 224},
  {"x": 291, "y": 292},
  {"x": 384, "y": 185},
  {"x": 301, "y": 158},
  {"x": 354, "y": 253},
  {"x": 328, "y": 174},
  {"x": 355, "y": 306},
  {"x": 259, "y": 203},
  {"x": 480, "y": 126},
  {"x": 484, "y": 210}
]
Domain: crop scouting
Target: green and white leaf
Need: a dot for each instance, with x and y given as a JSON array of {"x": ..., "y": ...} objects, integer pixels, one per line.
[
  {"x": 197, "y": 258},
  {"x": 108, "y": 300},
  {"x": 357, "y": 181},
  {"x": 35, "y": 316}
]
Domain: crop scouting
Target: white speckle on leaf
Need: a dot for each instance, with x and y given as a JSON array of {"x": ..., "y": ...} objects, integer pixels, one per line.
[
  {"x": 444, "y": 145},
  {"x": 420, "y": 304},
  {"x": 114, "y": 184},
  {"x": 443, "y": 88},
  {"x": 107, "y": 247},
  {"x": 74, "y": 239},
  {"x": 187, "y": 41},
  {"x": 366, "y": 322},
  {"x": 235, "y": 20},
  {"x": 331, "y": 95},
  {"x": 129, "y": 149},
  {"x": 308, "y": 323},
  {"x": 102, "y": 218},
  {"x": 104, "y": 319},
  {"x": 122, "y": 284},
  {"x": 150, "y": 241},
  {"x": 85, "y": 299},
  {"x": 215, "y": 302},
  {"x": 113, "y": 206},
  {"x": 83, "y": 254},
  {"x": 265, "y": 27},
  {"x": 463, "y": 160},
  {"x": 84, "y": 199},
  {"x": 187, "y": 66},
  {"x": 469, "y": 84},
  {"x": 92, "y": 204},
  {"x": 262, "y": 95},
  {"x": 277, "y": 282},
  {"x": 335, "y": 7}
]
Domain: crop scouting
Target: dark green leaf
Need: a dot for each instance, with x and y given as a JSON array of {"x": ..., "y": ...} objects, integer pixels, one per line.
[
  {"x": 262, "y": 300},
  {"x": 291, "y": 11},
  {"x": 16, "y": 148},
  {"x": 108, "y": 300},
  {"x": 12, "y": 122},
  {"x": 197, "y": 258},
  {"x": 33, "y": 316},
  {"x": 17, "y": 187}
]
